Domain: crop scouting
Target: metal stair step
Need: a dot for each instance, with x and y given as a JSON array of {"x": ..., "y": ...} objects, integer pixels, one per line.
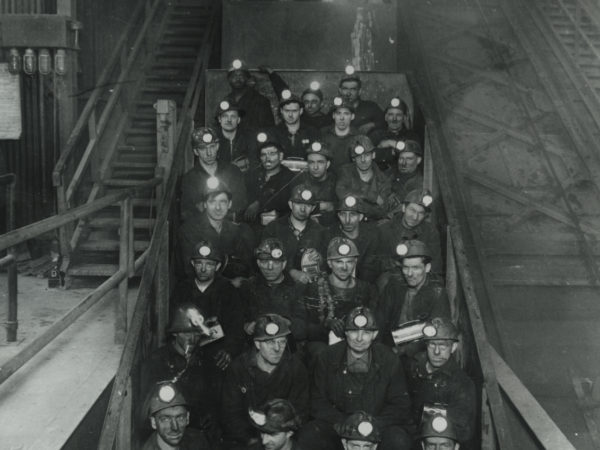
[
  {"x": 107, "y": 245},
  {"x": 141, "y": 131},
  {"x": 133, "y": 165},
  {"x": 92, "y": 270},
  {"x": 114, "y": 222}
]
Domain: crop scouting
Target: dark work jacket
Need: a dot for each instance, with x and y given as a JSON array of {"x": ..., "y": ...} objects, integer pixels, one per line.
[
  {"x": 284, "y": 298},
  {"x": 295, "y": 146},
  {"x": 362, "y": 294},
  {"x": 450, "y": 386},
  {"x": 237, "y": 241},
  {"x": 164, "y": 364},
  {"x": 272, "y": 194},
  {"x": 319, "y": 120},
  {"x": 242, "y": 145},
  {"x": 368, "y": 244},
  {"x": 193, "y": 185},
  {"x": 220, "y": 300},
  {"x": 402, "y": 183},
  {"x": 324, "y": 191},
  {"x": 246, "y": 386},
  {"x": 381, "y": 392},
  {"x": 339, "y": 145},
  {"x": 257, "y": 108},
  {"x": 313, "y": 236},
  {"x": 192, "y": 440},
  {"x": 368, "y": 111},
  {"x": 393, "y": 232},
  {"x": 430, "y": 301}
]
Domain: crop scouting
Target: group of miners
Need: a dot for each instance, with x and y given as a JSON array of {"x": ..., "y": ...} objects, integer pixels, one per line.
[{"x": 310, "y": 311}]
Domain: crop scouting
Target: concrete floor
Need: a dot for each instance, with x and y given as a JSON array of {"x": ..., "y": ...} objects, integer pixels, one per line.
[{"x": 44, "y": 401}]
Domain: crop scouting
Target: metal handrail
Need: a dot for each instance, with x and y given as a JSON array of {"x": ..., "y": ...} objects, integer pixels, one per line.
[
  {"x": 88, "y": 114},
  {"x": 9, "y": 181},
  {"x": 131, "y": 349}
]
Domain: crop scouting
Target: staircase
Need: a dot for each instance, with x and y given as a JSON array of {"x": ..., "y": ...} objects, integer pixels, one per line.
[{"x": 166, "y": 75}]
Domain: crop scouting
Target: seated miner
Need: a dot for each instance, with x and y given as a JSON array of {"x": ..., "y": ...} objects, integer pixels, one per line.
[
  {"x": 236, "y": 145},
  {"x": 312, "y": 99},
  {"x": 358, "y": 431},
  {"x": 412, "y": 299},
  {"x": 398, "y": 128},
  {"x": 221, "y": 304},
  {"x": 362, "y": 177},
  {"x": 358, "y": 374},
  {"x": 205, "y": 144},
  {"x": 292, "y": 133},
  {"x": 437, "y": 383},
  {"x": 321, "y": 181},
  {"x": 235, "y": 240},
  {"x": 340, "y": 136},
  {"x": 412, "y": 224},
  {"x": 437, "y": 432},
  {"x": 364, "y": 234},
  {"x": 277, "y": 423},
  {"x": 268, "y": 186},
  {"x": 331, "y": 297},
  {"x": 272, "y": 290},
  {"x": 302, "y": 238},
  {"x": 257, "y": 107},
  {"x": 179, "y": 361},
  {"x": 367, "y": 114},
  {"x": 405, "y": 175},
  {"x": 169, "y": 416},
  {"x": 263, "y": 373}
]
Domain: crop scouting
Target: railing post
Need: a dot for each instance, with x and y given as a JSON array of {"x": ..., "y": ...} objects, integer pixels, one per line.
[
  {"x": 166, "y": 124},
  {"x": 125, "y": 421},
  {"x": 162, "y": 289},
  {"x": 11, "y": 322},
  {"x": 488, "y": 438},
  {"x": 126, "y": 231}
]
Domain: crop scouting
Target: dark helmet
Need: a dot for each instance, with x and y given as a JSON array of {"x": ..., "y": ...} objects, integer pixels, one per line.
[
  {"x": 440, "y": 328},
  {"x": 271, "y": 326},
  {"x": 207, "y": 250},
  {"x": 287, "y": 97},
  {"x": 303, "y": 193},
  {"x": 421, "y": 197},
  {"x": 270, "y": 248},
  {"x": 214, "y": 186},
  {"x": 361, "y": 145},
  {"x": 319, "y": 148},
  {"x": 341, "y": 247},
  {"x": 351, "y": 202},
  {"x": 412, "y": 248},
  {"x": 340, "y": 103},
  {"x": 276, "y": 416},
  {"x": 359, "y": 426},
  {"x": 165, "y": 395},
  {"x": 437, "y": 425},
  {"x": 204, "y": 136},
  {"x": 360, "y": 318}
]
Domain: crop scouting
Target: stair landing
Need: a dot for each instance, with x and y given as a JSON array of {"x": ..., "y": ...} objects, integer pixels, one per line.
[{"x": 43, "y": 402}]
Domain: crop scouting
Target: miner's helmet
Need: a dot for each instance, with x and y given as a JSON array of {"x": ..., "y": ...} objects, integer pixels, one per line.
[
  {"x": 238, "y": 64},
  {"x": 421, "y": 197},
  {"x": 313, "y": 88},
  {"x": 303, "y": 193},
  {"x": 207, "y": 250},
  {"x": 408, "y": 145},
  {"x": 319, "y": 148},
  {"x": 214, "y": 186},
  {"x": 271, "y": 326},
  {"x": 412, "y": 248},
  {"x": 440, "y": 328},
  {"x": 165, "y": 395},
  {"x": 266, "y": 138},
  {"x": 437, "y": 425},
  {"x": 270, "y": 249},
  {"x": 339, "y": 103},
  {"x": 342, "y": 247},
  {"x": 275, "y": 416},
  {"x": 360, "y": 318},
  {"x": 350, "y": 74},
  {"x": 351, "y": 202},
  {"x": 229, "y": 105},
  {"x": 358, "y": 426},
  {"x": 203, "y": 136},
  {"x": 186, "y": 318},
  {"x": 397, "y": 103},
  {"x": 360, "y": 145},
  {"x": 286, "y": 97}
]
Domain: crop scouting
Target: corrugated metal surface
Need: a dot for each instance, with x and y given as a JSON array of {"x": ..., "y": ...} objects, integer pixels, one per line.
[{"x": 27, "y": 6}]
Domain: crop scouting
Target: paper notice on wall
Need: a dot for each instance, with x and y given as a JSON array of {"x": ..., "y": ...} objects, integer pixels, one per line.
[{"x": 10, "y": 104}]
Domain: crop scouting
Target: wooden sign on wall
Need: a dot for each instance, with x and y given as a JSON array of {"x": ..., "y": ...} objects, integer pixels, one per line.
[{"x": 10, "y": 104}]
